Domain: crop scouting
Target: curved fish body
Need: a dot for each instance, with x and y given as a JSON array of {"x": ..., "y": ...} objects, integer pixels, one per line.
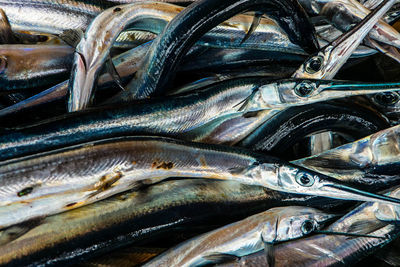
[
  {"x": 196, "y": 116},
  {"x": 168, "y": 49},
  {"x": 30, "y": 66},
  {"x": 242, "y": 238},
  {"x": 132, "y": 216},
  {"x": 94, "y": 47},
  {"x": 106, "y": 27},
  {"x": 334, "y": 250},
  {"x": 126, "y": 64},
  {"x": 290, "y": 126}
]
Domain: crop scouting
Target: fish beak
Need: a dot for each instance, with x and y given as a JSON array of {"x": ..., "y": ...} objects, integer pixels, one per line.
[{"x": 349, "y": 193}]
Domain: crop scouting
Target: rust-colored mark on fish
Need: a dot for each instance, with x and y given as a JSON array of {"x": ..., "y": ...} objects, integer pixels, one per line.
[
  {"x": 203, "y": 161},
  {"x": 159, "y": 164},
  {"x": 166, "y": 165},
  {"x": 106, "y": 182},
  {"x": 25, "y": 191}
]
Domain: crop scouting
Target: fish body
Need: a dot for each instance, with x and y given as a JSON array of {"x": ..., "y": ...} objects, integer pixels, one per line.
[
  {"x": 241, "y": 238},
  {"x": 54, "y": 182},
  {"x": 52, "y": 16},
  {"x": 161, "y": 63},
  {"x": 188, "y": 113},
  {"x": 133, "y": 216},
  {"x": 30, "y": 66},
  {"x": 334, "y": 249}
]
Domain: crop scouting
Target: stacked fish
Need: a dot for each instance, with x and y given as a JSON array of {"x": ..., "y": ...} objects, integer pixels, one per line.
[{"x": 199, "y": 132}]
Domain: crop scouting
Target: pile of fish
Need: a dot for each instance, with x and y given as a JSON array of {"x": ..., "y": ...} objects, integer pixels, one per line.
[{"x": 199, "y": 133}]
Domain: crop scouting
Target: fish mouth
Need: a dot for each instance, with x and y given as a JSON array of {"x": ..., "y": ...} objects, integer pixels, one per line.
[{"x": 350, "y": 193}]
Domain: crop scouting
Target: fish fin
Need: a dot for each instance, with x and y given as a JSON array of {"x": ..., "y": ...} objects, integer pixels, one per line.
[
  {"x": 218, "y": 258},
  {"x": 114, "y": 73},
  {"x": 364, "y": 227},
  {"x": 242, "y": 104},
  {"x": 71, "y": 37},
  {"x": 256, "y": 21},
  {"x": 15, "y": 231},
  {"x": 6, "y": 34}
]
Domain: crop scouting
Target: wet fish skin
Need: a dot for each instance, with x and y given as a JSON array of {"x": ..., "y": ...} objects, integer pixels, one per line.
[
  {"x": 242, "y": 238},
  {"x": 30, "y": 66},
  {"x": 52, "y": 16},
  {"x": 87, "y": 64},
  {"x": 158, "y": 64},
  {"x": 113, "y": 168},
  {"x": 277, "y": 135},
  {"x": 120, "y": 220},
  {"x": 353, "y": 12},
  {"x": 44, "y": 184},
  {"x": 372, "y": 157},
  {"x": 94, "y": 47},
  {"x": 333, "y": 250},
  {"x": 218, "y": 102}
]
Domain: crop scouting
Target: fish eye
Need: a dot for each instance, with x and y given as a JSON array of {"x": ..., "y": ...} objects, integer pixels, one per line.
[
  {"x": 307, "y": 227},
  {"x": 304, "y": 179},
  {"x": 314, "y": 64},
  {"x": 304, "y": 89}
]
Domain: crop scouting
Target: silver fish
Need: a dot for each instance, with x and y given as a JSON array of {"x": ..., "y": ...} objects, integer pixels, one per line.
[
  {"x": 244, "y": 237},
  {"x": 54, "y": 182},
  {"x": 30, "y": 66},
  {"x": 51, "y": 16},
  {"x": 335, "y": 249},
  {"x": 326, "y": 63}
]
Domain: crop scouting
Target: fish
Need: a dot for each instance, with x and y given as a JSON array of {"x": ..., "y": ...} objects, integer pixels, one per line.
[
  {"x": 353, "y": 12},
  {"x": 372, "y": 157},
  {"x": 244, "y": 237},
  {"x": 217, "y": 103},
  {"x": 132, "y": 216},
  {"x": 333, "y": 250},
  {"x": 52, "y": 17},
  {"x": 54, "y": 182},
  {"x": 32, "y": 66},
  {"x": 87, "y": 64},
  {"x": 327, "y": 62},
  {"x": 282, "y": 132},
  {"x": 161, "y": 63},
  {"x": 343, "y": 14}
]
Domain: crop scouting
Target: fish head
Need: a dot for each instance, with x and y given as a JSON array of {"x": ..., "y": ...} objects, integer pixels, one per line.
[
  {"x": 294, "y": 222},
  {"x": 292, "y": 179}
]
